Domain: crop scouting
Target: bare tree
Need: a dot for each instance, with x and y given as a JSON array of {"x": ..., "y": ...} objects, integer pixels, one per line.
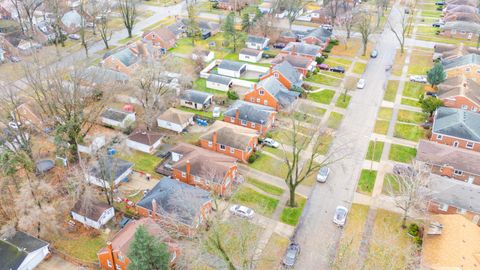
[
  {"x": 128, "y": 9},
  {"x": 401, "y": 29},
  {"x": 408, "y": 189},
  {"x": 334, "y": 7},
  {"x": 16, "y": 4},
  {"x": 104, "y": 29},
  {"x": 26, "y": 9},
  {"x": 55, "y": 8},
  {"x": 192, "y": 28},
  {"x": 293, "y": 8},
  {"x": 349, "y": 22},
  {"x": 83, "y": 28},
  {"x": 365, "y": 28}
]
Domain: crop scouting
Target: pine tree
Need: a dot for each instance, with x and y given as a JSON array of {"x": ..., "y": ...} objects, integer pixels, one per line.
[
  {"x": 231, "y": 34},
  {"x": 246, "y": 22},
  {"x": 147, "y": 253},
  {"x": 436, "y": 75}
]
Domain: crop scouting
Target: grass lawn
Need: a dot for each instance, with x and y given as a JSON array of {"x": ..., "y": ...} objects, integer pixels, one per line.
[
  {"x": 258, "y": 202},
  {"x": 349, "y": 49},
  {"x": 334, "y": 120},
  {"x": 276, "y": 151},
  {"x": 431, "y": 13},
  {"x": 385, "y": 113},
  {"x": 273, "y": 252},
  {"x": 326, "y": 140},
  {"x": 324, "y": 96},
  {"x": 291, "y": 215},
  {"x": 319, "y": 112},
  {"x": 357, "y": 216},
  {"x": 410, "y": 102},
  {"x": 80, "y": 245},
  {"x": 381, "y": 127},
  {"x": 206, "y": 114},
  {"x": 323, "y": 79},
  {"x": 399, "y": 63},
  {"x": 402, "y": 153},
  {"x": 270, "y": 165},
  {"x": 143, "y": 162},
  {"x": 389, "y": 183},
  {"x": 274, "y": 190},
  {"x": 391, "y": 91},
  {"x": 336, "y": 61},
  {"x": 284, "y": 136},
  {"x": 366, "y": 181},
  {"x": 413, "y": 89},
  {"x": 303, "y": 117},
  {"x": 409, "y": 132},
  {"x": 359, "y": 68},
  {"x": 411, "y": 117},
  {"x": 343, "y": 101},
  {"x": 375, "y": 150},
  {"x": 422, "y": 61},
  {"x": 201, "y": 85}
]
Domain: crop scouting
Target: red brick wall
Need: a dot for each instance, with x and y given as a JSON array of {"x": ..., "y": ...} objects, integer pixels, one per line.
[
  {"x": 450, "y": 141},
  {"x": 241, "y": 155},
  {"x": 433, "y": 208},
  {"x": 459, "y": 34},
  {"x": 220, "y": 189},
  {"x": 255, "y": 97},
  {"x": 103, "y": 257},
  {"x": 459, "y": 101},
  {"x": 449, "y": 172}
]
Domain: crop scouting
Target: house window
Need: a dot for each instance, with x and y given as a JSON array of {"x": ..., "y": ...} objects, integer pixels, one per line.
[
  {"x": 439, "y": 137},
  {"x": 184, "y": 174},
  {"x": 210, "y": 144},
  {"x": 252, "y": 99},
  {"x": 265, "y": 102},
  {"x": 262, "y": 92},
  {"x": 207, "y": 182},
  {"x": 470, "y": 145},
  {"x": 244, "y": 122},
  {"x": 457, "y": 172},
  {"x": 232, "y": 119},
  {"x": 258, "y": 100},
  {"x": 120, "y": 257},
  {"x": 253, "y": 125},
  {"x": 464, "y": 107},
  {"x": 222, "y": 147},
  {"x": 275, "y": 75},
  {"x": 118, "y": 267},
  {"x": 249, "y": 149},
  {"x": 461, "y": 211},
  {"x": 467, "y": 69},
  {"x": 478, "y": 70},
  {"x": 463, "y": 32},
  {"x": 109, "y": 263},
  {"x": 455, "y": 144},
  {"x": 443, "y": 207},
  {"x": 232, "y": 150}
]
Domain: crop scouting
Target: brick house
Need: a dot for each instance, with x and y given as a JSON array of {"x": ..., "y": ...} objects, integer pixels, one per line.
[
  {"x": 448, "y": 196},
  {"x": 303, "y": 49},
  {"x": 250, "y": 115},
  {"x": 176, "y": 205},
  {"x": 231, "y": 140},
  {"x": 458, "y": 128},
  {"x": 125, "y": 60},
  {"x": 319, "y": 36},
  {"x": 451, "y": 51},
  {"x": 324, "y": 14},
  {"x": 467, "y": 65},
  {"x": 114, "y": 255},
  {"x": 161, "y": 37},
  {"x": 287, "y": 36},
  {"x": 461, "y": 29},
  {"x": 460, "y": 92},
  {"x": 462, "y": 16},
  {"x": 271, "y": 92},
  {"x": 189, "y": 166},
  {"x": 453, "y": 162},
  {"x": 286, "y": 74},
  {"x": 302, "y": 64}
]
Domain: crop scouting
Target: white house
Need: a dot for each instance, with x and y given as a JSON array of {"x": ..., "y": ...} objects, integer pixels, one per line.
[
  {"x": 206, "y": 56},
  {"x": 144, "y": 141},
  {"x": 109, "y": 170},
  {"x": 96, "y": 216},
  {"x": 174, "y": 119},
  {"x": 22, "y": 251},
  {"x": 257, "y": 43},
  {"x": 196, "y": 99},
  {"x": 231, "y": 68},
  {"x": 218, "y": 82},
  {"x": 117, "y": 118},
  {"x": 250, "y": 55}
]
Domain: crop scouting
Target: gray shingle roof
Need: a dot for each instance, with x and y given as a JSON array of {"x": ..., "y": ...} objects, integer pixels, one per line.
[
  {"x": 255, "y": 39},
  {"x": 303, "y": 48},
  {"x": 14, "y": 249},
  {"x": 109, "y": 168},
  {"x": 231, "y": 135},
  {"x": 250, "y": 52},
  {"x": 462, "y": 26},
  {"x": 462, "y": 61},
  {"x": 126, "y": 56},
  {"x": 231, "y": 65},
  {"x": 72, "y": 19},
  {"x": 457, "y": 123},
  {"x": 455, "y": 193},
  {"x": 294, "y": 60},
  {"x": 114, "y": 114},
  {"x": 276, "y": 89},
  {"x": 289, "y": 72},
  {"x": 320, "y": 33},
  {"x": 99, "y": 75},
  {"x": 250, "y": 111},
  {"x": 459, "y": 86},
  {"x": 219, "y": 79},
  {"x": 196, "y": 96},
  {"x": 25, "y": 241},
  {"x": 177, "y": 200}
]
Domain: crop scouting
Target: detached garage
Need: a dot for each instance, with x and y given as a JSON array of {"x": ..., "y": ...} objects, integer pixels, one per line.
[
  {"x": 218, "y": 82},
  {"x": 144, "y": 141},
  {"x": 22, "y": 251},
  {"x": 95, "y": 216},
  {"x": 231, "y": 68},
  {"x": 175, "y": 120},
  {"x": 250, "y": 55}
]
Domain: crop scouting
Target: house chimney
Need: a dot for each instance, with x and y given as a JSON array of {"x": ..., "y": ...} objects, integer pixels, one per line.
[
  {"x": 255, "y": 87},
  {"x": 188, "y": 171},
  {"x": 237, "y": 114},
  {"x": 270, "y": 70},
  {"x": 214, "y": 139},
  {"x": 112, "y": 256},
  {"x": 154, "y": 208},
  {"x": 110, "y": 247}
]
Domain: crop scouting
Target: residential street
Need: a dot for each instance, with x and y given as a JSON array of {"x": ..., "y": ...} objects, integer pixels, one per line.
[{"x": 317, "y": 234}]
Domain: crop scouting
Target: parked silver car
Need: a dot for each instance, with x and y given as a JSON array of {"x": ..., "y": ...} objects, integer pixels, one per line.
[
  {"x": 242, "y": 211},
  {"x": 291, "y": 254},
  {"x": 322, "y": 174},
  {"x": 340, "y": 216}
]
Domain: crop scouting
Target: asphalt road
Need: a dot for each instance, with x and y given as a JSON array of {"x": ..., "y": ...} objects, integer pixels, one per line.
[{"x": 317, "y": 235}]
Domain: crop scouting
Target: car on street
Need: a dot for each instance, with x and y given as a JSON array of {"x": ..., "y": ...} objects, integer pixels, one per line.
[
  {"x": 338, "y": 69},
  {"x": 374, "y": 54},
  {"x": 216, "y": 112},
  {"x": 271, "y": 142},
  {"x": 74, "y": 36},
  {"x": 440, "y": 3},
  {"x": 418, "y": 78},
  {"x": 279, "y": 45},
  {"x": 327, "y": 27},
  {"x": 322, "y": 174},
  {"x": 242, "y": 211},
  {"x": 323, "y": 66},
  {"x": 266, "y": 56},
  {"x": 361, "y": 84},
  {"x": 340, "y": 216},
  {"x": 291, "y": 254}
]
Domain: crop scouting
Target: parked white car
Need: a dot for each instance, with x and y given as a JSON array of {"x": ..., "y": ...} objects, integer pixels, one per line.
[
  {"x": 361, "y": 84},
  {"x": 216, "y": 112},
  {"x": 418, "y": 78},
  {"x": 271, "y": 143},
  {"x": 242, "y": 211},
  {"x": 340, "y": 216},
  {"x": 322, "y": 174}
]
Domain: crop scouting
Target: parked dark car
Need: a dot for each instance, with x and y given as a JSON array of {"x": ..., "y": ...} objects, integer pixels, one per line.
[
  {"x": 323, "y": 66},
  {"x": 279, "y": 45},
  {"x": 291, "y": 254},
  {"x": 439, "y": 3},
  {"x": 338, "y": 69},
  {"x": 266, "y": 56},
  {"x": 124, "y": 222},
  {"x": 407, "y": 11},
  {"x": 437, "y": 24},
  {"x": 430, "y": 93}
]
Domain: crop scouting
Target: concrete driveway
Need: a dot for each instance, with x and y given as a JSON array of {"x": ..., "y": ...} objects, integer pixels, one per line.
[{"x": 57, "y": 263}]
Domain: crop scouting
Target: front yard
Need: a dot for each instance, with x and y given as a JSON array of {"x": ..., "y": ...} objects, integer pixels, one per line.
[
  {"x": 409, "y": 132},
  {"x": 334, "y": 120},
  {"x": 291, "y": 215},
  {"x": 375, "y": 149},
  {"x": 270, "y": 165},
  {"x": 391, "y": 91},
  {"x": 81, "y": 245},
  {"x": 323, "y": 79},
  {"x": 143, "y": 162},
  {"x": 366, "y": 181},
  {"x": 402, "y": 153},
  {"x": 324, "y": 96},
  {"x": 260, "y": 203}
]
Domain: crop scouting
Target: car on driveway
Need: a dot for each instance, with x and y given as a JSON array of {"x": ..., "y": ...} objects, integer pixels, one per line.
[
  {"x": 216, "y": 112},
  {"x": 271, "y": 142},
  {"x": 361, "y": 84},
  {"x": 242, "y": 211},
  {"x": 338, "y": 69},
  {"x": 431, "y": 93},
  {"x": 374, "y": 54},
  {"x": 418, "y": 78},
  {"x": 323, "y": 66},
  {"x": 279, "y": 45},
  {"x": 340, "y": 216},
  {"x": 322, "y": 174},
  {"x": 437, "y": 24},
  {"x": 291, "y": 254}
]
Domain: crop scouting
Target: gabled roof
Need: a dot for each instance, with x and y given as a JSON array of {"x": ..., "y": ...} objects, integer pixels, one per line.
[
  {"x": 145, "y": 137},
  {"x": 279, "y": 91},
  {"x": 297, "y": 61},
  {"x": 219, "y": 79},
  {"x": 455, "y": 193},
  {"x": 99, "y": 75},
  {"x": 72, "y": 19},
  {"x": 462, "y": 61},
  {"x": 164, "y": 34},
  {"x": 25, "y": 241},
  {"x": 177, "y": 27},
  {"x": 457, "y": 123},
  {"x": 95, "y": 211},
  {"x": 231, "y": 65},
  {"x": 176, "y": 116},
  {"x": 450, "y": 51},
  {"x": 258, "y": 40},
  {"x": 14, "y": 249},
  {"x": 114, "y": 114},
  {"x": 302, "y": 48},
  {"x": 459, "y": 86},
  {"x": 320, "y": 33},
  {"x": 472, "y": 3},
  {"x": 126, "y": 56},
  {"x": 250, "y": 52},
  {"x": 460, "y": 8},
  {"x": 213, "y": 170},
  {"x": 441, "y": 154},
  {"x": 250, "y": 112},
  {"x": 230, "y": 135},
  {"x": 177, "y": 200},
  {"x": 109, "y": 168},
  {"x": 195, "y": 96},
  {"x": 462, "y": 26},
  {"x": 289, "y": 72},
  {"x": 462, "y": 16}
]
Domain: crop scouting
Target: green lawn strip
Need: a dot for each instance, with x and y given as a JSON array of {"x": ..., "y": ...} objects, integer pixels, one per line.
[
  {"x": 366, "y": 181},
  {"x": 206, "y": 114},
  {"x": 402, "y": 153},
  {"x": 303, "y": 117},
  {"x": 270, "y": 165},
  {"x": 276, "y": 151},
  {"x": 324, "y": 96},
  {"x": 334, "y": 74},
  {"x": 359, "y": 68},
  {"x": 391, "y": 91},
  {"x": 389, "y": 184},
  {"x": 408, "y": 132},
  {"x": 334, "y": 120},
  {"x": 81, "y": 246},
  {"x": 201, "y": 85},
  {"x": 381, "y": 127},
  {"x": 291, "y": 215},
  {"x": 316, "y": 111},
  {"x": 375, "y": 149},
  {"x": 343, "y": 101},
  {"x": 274, "y": 190},
  {"x": 385, "y": 113},
  {"x": 284, "y": 136},
  {"x": 413, "y": 89},
  {"x": 143, "y": 162},
  {"x": 431, "y": 13},
  {"x": 410, "y": 102},
  {"x": 322, "y": 79},
  {"x": 260, "y": 203},
  {"x": 334, "y": 61},
  {"x": 411, "y": 117},
  {"x": 326, "y": 141}
]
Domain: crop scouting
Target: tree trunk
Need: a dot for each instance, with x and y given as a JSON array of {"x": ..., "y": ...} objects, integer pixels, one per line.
[
  {"x": 129, "y": 30},
  {"x": 291, "y": 200},
  {"x": 404, "y": 219}
]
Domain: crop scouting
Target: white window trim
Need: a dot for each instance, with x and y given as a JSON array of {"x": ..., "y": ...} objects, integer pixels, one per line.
[
  {"x": 470, "y": 147},
  {"x": 443, "y": 207},
  {"x": 458, "y": 172},
  {"x": 439, "y": 137},
  {"x": 210, "y": 143},
  {"x": 232, "y": 119},
  {"x": 184, "y": 174},
  {"x": 461, "y": 211},
  {"x": 232, "y": 150},
  {"x": 456, "y": 143},
  {"x": 261, "y": 92},
  {"x": 109, "y": 263},
  {"x": 224, "y": 147},
  {"x": 244, "y": 122},
  {"x": 253, "y": 125}
]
